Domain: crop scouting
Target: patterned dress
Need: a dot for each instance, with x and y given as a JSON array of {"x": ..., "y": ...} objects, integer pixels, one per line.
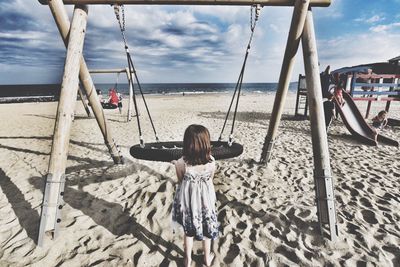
[{"x": 194, "y": 202}]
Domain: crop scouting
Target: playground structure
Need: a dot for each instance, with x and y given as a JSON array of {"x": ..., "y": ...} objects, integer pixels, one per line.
[
  {"x": 373, "y": 87},
  {"x": 351, "y": 115},
  {"x": 357, "y": 126},
  {"x": 128, "y": 77},
  {"x": 301, "y": 109},
  {"x": 73, "y": 34}
]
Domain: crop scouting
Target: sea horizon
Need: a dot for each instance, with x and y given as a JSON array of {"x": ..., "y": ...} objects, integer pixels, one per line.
[{"x": 14, "y": 93}]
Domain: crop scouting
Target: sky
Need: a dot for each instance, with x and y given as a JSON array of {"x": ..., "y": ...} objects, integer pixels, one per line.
[{"x": 199, "y": 44}]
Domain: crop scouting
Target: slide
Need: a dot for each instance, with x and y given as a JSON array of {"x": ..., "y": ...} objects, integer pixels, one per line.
[{"x": 357, "y": 126}]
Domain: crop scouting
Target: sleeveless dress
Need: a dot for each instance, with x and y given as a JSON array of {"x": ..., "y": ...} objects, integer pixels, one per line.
[{"x": 194, "y": 202}]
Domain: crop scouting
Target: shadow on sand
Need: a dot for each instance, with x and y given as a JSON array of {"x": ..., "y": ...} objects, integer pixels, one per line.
[{"x": 27, "y": 216}]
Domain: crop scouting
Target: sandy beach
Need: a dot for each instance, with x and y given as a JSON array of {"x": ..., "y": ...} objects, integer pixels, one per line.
[{"x": 120, "y": 215}]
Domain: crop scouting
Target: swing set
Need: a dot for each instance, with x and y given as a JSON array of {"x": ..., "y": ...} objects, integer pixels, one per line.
[
  {"x": 168, "y": 151},
  {"x": 128, "y": 77},
  {"x": 73, "y": 34}
]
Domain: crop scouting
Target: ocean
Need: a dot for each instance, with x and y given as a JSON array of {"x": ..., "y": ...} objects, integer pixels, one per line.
[{"x": 51, "y": 92}]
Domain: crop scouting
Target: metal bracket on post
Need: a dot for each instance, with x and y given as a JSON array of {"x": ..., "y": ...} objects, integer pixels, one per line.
[
  {"x": 59, "y": 205},
  {"x": 116, "y": 158},
  {"x": 267, "y": 150},
  {"x": 325, "y": 202},
  {"x": 49, "y": 208}
]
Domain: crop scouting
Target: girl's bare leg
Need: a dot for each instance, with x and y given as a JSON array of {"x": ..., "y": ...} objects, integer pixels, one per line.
[
  {"x": 206, "y": 249},
  {"x": 188, "y": 245}
]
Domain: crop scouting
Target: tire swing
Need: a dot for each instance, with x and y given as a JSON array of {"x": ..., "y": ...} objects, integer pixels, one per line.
[{"x": 172, "y": 150}]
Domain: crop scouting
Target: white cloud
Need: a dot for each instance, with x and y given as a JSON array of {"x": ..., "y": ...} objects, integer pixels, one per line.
[
  {"x": 199, "y": 43},
  {"x": 334, "y": 11},
  {"x": 386, "y": 27},
  {"x": 227, "y": 14},
  {"x": 350, "y": 50},
  {"x": 370, "y": 19},
  {"x": 374, "y": 19}
]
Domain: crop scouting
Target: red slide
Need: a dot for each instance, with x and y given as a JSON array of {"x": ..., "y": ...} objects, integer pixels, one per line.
[{"x": 357, "y": 126}]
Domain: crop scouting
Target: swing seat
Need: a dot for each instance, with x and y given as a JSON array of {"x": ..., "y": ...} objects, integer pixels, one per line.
[
  {"x": 169, "y": 151},
  {"x": 109, "y": 106}
]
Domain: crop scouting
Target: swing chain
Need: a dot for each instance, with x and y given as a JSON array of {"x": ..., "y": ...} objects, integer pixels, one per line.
[
  {"x": 116, "y": 82},
  {"x": 120, "y": 16},
  {"x": 254, "y": 15},
  {"x": 119, "y": 11}
]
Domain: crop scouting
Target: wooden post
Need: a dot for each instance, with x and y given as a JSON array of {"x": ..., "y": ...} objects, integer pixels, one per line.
[
  {"x": 85, "y": 105},
  {"x": 296, "y": 110},
  {"x": 353, "y": 83},
  {"x": 52, "y": 203},
  {"x": 348, "y": 83},
  {"x": 306, "y": 108},
  {"x": 369, "y": 101},
  {"x": 130, "y": 103},
  {"x": 379, "y": 97},
  {"x": 395, "y": 81},
  {"x": 296, "y": 29},
  {"x": 61, "y": 18},
  {"x": 322, "y": 168}
]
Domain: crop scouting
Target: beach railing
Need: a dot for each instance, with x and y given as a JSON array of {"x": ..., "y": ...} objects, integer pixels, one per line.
[{"x": 374, "y": 87}]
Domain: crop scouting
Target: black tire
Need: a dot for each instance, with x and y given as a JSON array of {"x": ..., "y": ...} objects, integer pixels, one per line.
[
  {"x": 109, "y": 106},
  {"x": 169, "y": 151}
]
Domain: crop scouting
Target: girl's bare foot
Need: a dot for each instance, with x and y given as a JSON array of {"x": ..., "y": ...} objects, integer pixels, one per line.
[
  {"x": 208, "y": 262},
  {"x": 188, "y": 262}
]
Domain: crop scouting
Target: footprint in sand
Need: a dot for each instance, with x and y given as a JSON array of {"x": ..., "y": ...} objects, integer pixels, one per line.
[
  {"x": 365, "y": 202},
  {"x": 288, "y": 253},
  {"x": 369, "y": 216},
  {"x": 232, "y": 253}
]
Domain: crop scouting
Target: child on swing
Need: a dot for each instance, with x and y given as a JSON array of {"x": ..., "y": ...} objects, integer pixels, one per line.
[{"x": 194, "y": 202}]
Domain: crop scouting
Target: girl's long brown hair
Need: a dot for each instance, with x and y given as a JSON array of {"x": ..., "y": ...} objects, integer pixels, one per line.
[{"x": 196, "y": 145}]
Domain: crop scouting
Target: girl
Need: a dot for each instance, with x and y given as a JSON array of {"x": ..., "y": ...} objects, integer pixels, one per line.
[
  {"x": 194, "y": 202},
  {"x": 380, "y": 121},
  {"x": 338, "y": 93}
]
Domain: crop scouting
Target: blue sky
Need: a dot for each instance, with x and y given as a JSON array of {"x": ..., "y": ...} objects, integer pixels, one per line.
[{"x": 191, "y": 43}]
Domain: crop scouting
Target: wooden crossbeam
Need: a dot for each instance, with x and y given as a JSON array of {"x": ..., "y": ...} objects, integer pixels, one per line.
[
  {"x": 315, "y": 3},
  {"x": 377, "y": 84},
  {"x": 376, "y": 76},
  {"x": 107, "y": 71},
  {"x": 376, "y": 99},
  {"x": 376, "y": 93}
]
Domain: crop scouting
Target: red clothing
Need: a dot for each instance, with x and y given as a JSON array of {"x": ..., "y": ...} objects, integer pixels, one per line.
[
  {"x": 113, "y": 98},
  {"x": 338, "y": 92}
]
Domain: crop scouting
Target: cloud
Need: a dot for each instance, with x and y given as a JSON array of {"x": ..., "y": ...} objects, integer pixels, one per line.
[
  {"x": 370, "y": 20},
  {"x": 168, "y": 44},
  {"x": 386, "y": 27},
  {"x": 374, "y": 19},
  {"x": 161, "y": 39},
  {"x": 355, "y": 49},
  {"x": 181, "y": 44},
  {"x": 334, "y": 11}
]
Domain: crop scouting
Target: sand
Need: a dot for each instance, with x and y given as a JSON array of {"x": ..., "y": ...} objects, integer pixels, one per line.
[{"x": 121, "y": 215}]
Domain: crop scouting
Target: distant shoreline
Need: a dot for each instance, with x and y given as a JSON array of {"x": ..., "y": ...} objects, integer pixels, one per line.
[{"x": 51, "y": 92}]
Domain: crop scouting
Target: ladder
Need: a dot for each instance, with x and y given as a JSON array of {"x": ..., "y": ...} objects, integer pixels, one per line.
[{"x": 301, "y": 109}]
